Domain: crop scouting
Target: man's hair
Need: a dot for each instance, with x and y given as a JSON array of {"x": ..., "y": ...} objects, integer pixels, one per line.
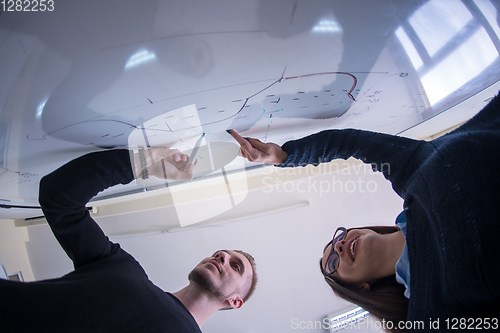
[
  {"x": 254, "y": 274},
  {"x": 254, "y": 277},
  {"x": 385, "y": 299}
]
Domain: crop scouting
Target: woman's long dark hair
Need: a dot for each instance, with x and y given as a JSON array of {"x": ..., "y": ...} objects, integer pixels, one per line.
[{"x": 385, "y": 299}]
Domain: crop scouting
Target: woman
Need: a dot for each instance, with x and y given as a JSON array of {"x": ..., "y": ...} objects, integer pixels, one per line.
[{"x": 449, "y": 226}]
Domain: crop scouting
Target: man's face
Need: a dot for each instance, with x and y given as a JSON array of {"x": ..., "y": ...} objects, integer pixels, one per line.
[{"x": 225, "y": 275}]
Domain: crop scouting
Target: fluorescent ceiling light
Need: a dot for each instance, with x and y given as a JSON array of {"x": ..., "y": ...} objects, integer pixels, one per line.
[
  {"x": 327, "y": 25},
  {"x": 140, "y": 58},
  {"x": 342, "y": 321},
  {"x": 39, "y": 109}
]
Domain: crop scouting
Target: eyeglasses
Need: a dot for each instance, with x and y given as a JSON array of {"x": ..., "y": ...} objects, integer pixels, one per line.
[{"x": 332, "y": 262}]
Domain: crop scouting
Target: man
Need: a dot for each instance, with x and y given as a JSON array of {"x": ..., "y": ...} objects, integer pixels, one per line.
[{"x": 109, "y": 291}]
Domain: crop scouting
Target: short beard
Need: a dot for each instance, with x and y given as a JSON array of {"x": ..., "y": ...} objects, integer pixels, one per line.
[{"x": 201, "y": 279}]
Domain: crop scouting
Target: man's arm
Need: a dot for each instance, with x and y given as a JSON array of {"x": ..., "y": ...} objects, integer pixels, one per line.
[{"x": 65, "y": 192}]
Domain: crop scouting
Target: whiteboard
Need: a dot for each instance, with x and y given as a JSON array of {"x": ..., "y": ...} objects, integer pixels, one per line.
[{"x": 88, "y": 75}]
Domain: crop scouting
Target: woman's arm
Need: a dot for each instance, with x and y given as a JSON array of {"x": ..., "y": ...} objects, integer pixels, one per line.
[{"x": 396, "y": 157}]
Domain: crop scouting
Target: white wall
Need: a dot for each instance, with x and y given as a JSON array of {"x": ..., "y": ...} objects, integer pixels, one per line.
[{"x": 13, "y": 254}]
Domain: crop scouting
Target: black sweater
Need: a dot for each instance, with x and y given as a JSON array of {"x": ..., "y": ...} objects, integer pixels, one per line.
[
  {"x": 451, "y": 187},
  {"x": 108, "y": 291}
]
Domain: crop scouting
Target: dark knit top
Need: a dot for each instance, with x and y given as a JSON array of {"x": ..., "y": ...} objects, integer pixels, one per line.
[
  {"x": 108, "y": 291},
  {"x": 451, "y": 189}
]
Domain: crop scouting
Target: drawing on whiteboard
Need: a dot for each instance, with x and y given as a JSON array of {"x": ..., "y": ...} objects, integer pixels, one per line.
[{"x": 312, "y": 96}]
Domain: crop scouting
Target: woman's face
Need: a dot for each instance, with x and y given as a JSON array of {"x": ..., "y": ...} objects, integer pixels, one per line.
[{"x": 362, "y": 257}]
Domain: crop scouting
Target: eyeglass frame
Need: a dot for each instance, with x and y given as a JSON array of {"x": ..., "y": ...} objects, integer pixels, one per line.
[{"x": 332, "y": 251}]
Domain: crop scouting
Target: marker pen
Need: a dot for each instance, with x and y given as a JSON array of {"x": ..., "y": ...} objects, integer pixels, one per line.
[{"x": 196, "y": 150}]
